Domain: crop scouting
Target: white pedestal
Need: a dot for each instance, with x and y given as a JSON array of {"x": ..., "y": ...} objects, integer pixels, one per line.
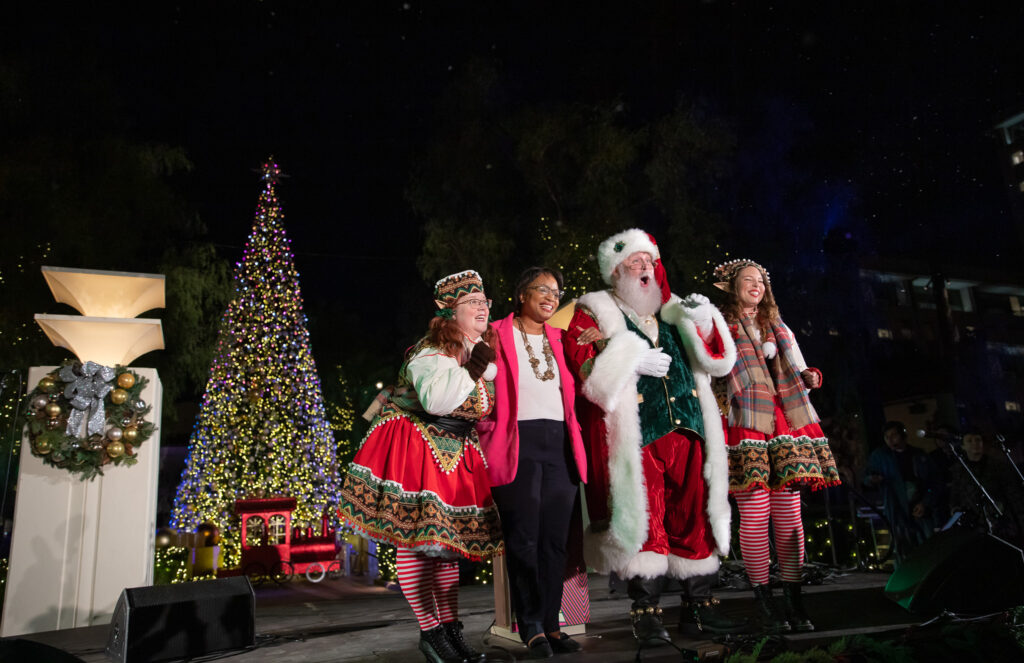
[{"x": 76, "y": 544}]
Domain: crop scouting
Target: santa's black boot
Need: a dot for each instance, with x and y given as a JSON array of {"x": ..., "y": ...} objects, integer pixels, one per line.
[
  {"x": 701, "y": 613},
  {"x": 648, "y": 629},
  {"x": 772, "y": 620}
]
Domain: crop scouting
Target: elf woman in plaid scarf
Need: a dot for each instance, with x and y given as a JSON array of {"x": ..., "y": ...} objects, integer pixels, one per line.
[{"x": 775, "y": 442}]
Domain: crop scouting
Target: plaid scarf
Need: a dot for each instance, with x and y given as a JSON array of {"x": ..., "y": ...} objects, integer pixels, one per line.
[{"x": 753, "y": 387}]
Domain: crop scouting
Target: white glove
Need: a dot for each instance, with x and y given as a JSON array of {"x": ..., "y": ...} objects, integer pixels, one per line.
[
  {"x": 654, "y": 362},
  {"x": 769, "y": 349},
  {"x": 698, "y": 309}
]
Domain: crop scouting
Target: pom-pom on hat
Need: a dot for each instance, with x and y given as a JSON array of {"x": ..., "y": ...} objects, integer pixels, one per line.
[
  {"x": 618, "y": 247},
  {"x": 448, "y": 289},
  {"x": 726, "y": 272}
]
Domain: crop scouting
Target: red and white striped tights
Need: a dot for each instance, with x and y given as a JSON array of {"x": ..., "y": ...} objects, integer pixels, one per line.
[
  {"x": 783, "y": 506},
  {"x": 430, "y": 585}
]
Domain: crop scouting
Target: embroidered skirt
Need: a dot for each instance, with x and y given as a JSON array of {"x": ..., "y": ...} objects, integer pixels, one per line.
[
  {"x": 416, "y": 486},
  {"x": 799, "y": 457}
]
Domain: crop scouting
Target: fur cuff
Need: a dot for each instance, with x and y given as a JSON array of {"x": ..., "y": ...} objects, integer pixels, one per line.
[
  {"x": 683, "y": 568},
  {"x": 695, "y": 349},
  {"x": 646, "y": 564},
  {"x": 603, "y": 551}
]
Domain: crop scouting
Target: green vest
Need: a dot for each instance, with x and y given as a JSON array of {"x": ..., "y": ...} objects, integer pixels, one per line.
[{"x": 671, "y": 402}]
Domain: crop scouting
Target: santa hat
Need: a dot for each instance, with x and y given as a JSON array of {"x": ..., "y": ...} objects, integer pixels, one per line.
[
  {"x": 660, "y": 276},
  {"x": 618, "y": 247}
]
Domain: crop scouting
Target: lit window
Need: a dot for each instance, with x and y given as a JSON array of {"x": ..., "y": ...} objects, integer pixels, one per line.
[
  {"x": 1020, "y": 186},
  {"x": 1012, "y": 406},
  {"x": 278, "y": 534},
  {"x": 1017, "y": 157},
  {"x": 1015, "y": 306},
  {"x": 885, "y": 333},
  {"x": 254, "y": 531}
]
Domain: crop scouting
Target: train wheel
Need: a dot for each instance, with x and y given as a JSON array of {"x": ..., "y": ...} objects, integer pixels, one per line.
[
  {"x": 281, "y": 572},
  {"x": 315, "y": 572},
  {"x": 334, "y": 570},
  {"x": 257, "y": 573}
]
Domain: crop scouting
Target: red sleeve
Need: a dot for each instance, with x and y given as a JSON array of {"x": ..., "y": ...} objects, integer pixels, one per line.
[
  {"x": 591, "y": 417},
  {"x": 579, "y": 357}
]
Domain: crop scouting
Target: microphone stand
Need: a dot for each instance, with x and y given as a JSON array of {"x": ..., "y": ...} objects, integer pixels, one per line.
[
  {"x": 1006, "y": 450},
  {"x": 959, "y": 454}
]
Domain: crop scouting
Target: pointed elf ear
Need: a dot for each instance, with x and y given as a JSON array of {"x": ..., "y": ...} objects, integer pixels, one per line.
[
  {"x": 439, "y": 303},
  {"x": 723, "y": 285}
]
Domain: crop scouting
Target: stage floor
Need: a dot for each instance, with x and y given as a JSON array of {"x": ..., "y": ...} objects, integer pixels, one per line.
[{"x": 353, "y": 621}]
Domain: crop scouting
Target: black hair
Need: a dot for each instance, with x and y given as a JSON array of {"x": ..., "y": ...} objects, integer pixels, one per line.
[
  {"x": 898, "y": 425},
  {"x": 527, "y": 277}
]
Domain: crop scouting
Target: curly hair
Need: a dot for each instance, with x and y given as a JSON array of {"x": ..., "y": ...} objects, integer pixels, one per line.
[
  {"x": 767, "y": 309},
  {"x": 446, "y": 335}
]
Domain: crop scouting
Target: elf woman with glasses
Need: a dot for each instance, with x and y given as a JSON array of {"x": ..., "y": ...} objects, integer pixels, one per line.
[
  {"x": 419, "y": 481},
  {"x": 535, "y": 458}
]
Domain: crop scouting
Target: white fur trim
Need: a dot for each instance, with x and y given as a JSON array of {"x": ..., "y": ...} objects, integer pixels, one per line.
[
  {"x": 675, "y": 313},
  {"x": 617, "y": 396},
  {"x": 683, "y": 568},
  {"x": 614, "y": 373},
  {"x": 490, "y": 372},
  {"x": 646, "y": 564},
  {"x": 631, "y": 240},
  {"x": 716, "y": 462}
]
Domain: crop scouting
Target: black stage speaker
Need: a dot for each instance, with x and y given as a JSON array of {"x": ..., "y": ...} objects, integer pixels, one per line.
[
  {"x": 20, "y": 650},
  {"x": 182, "y": 621},
  {"x": 960, "y": 570}
]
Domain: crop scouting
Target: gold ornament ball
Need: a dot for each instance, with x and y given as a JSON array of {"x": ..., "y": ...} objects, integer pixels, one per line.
[
  {"x": 42, "y": 447},
  {"x": 130, "y": 434},
  {"x": 115, "y": 449},
  {"x": 126, "y": 380},
  {"x": 118, "y": 396},
  {"x": 53, "y": 410},
  {"x": 47, "y": 383},
  {"x": 165, "y": 537}
]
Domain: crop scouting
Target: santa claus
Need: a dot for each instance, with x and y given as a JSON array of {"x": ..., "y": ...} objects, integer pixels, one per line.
[{"x": 658, "y": 492}]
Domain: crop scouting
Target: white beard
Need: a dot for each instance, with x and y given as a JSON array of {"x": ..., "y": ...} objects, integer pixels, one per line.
[{"x": 644, "y": 300}]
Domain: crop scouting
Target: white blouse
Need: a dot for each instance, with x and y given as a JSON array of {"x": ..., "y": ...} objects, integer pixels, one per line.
[{"x": 537, "y": 399}]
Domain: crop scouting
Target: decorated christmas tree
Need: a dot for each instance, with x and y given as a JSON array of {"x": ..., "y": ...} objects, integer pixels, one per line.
[{"x": 262, "y": 429}]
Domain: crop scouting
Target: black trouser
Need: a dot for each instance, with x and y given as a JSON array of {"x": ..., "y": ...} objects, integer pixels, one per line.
[{"x": 536, "y": 508}]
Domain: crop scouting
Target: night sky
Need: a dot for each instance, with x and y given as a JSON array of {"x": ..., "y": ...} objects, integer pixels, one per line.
[{"x": 892, "y": 101}]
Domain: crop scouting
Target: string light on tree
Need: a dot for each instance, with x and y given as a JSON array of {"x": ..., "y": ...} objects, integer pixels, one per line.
[{"x": 262, "y": 428}]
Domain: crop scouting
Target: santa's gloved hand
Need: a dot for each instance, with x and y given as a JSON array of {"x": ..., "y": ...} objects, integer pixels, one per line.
[
  {"x": 769, "y": 349},
  {"x": 654, "y": 362},
  {"x": 481, "y": 356},
  {"x": 699, "y": 310}
]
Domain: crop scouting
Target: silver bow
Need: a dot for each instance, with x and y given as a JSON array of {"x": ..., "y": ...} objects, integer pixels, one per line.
[{"x": 86, "y": 393}]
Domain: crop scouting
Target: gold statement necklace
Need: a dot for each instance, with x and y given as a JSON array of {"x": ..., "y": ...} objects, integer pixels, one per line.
[{"x": 549, "y": 356}]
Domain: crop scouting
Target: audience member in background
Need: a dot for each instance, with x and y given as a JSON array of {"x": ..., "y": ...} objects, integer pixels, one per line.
[
  {"x": 902, "y": 474},
  {"x": 1001, "y": 483}
]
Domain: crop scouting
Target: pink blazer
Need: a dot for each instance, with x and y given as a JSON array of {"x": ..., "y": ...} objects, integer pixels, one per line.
[{"x": 499, "y": 432}]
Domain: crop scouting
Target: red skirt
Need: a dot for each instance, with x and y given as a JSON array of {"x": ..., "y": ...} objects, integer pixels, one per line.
[
  {"x": 787, "y": 457},
  {"x": 415, "y": 486}
]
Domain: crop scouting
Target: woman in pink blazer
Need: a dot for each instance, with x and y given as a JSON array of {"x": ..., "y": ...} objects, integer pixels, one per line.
[{"x": 535, "y": 458}]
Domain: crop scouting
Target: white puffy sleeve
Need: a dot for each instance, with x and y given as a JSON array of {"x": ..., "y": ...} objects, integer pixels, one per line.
[{"x": 440, "y": 383}]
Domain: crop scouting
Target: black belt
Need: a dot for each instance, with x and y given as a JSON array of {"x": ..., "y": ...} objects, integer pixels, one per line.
[{"x": 459, "y": 427}]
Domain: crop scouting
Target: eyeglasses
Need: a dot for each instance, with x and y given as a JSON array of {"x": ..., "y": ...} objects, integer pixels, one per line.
[
  {"x": 640, "y": 264},
  {"x": 476, "y": 303},
  {"x": 547, "y": 292}
]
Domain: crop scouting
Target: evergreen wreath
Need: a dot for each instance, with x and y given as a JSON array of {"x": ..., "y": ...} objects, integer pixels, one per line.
[{"x": 81, "y": 417}]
